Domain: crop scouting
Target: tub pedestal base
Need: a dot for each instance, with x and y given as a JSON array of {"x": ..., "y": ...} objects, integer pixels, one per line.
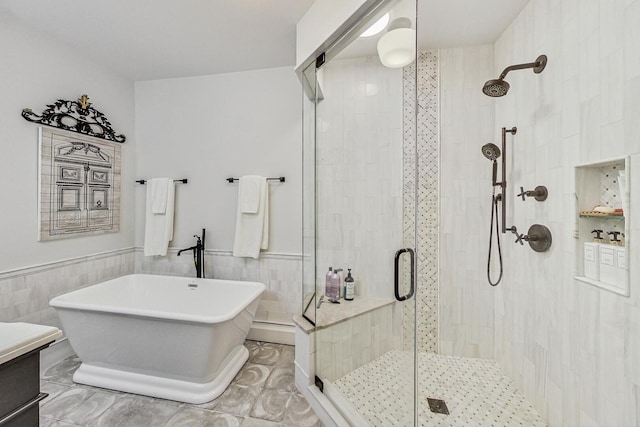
[{"x": 162, "y": 387}]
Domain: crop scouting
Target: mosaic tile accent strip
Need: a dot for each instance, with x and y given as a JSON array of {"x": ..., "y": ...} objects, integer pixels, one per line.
[
  {"x": 475, "y": 390},
  {"x": 424, "y": 201}
]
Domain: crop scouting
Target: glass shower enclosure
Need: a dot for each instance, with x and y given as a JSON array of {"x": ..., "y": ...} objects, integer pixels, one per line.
[{"x": 360, "y": 216}]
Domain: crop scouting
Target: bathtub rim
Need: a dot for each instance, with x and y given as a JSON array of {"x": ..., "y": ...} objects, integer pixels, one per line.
[{"x": 59, "y": 302}]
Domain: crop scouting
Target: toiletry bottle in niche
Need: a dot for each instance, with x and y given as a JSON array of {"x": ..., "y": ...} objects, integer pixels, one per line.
[
  {"x": 328, "y": 280},
  {"x": 335, "y": 284},
  {"x": 349, "y": 286}
]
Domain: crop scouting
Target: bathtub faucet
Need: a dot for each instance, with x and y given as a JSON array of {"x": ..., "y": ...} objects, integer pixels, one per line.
[{"x": 198, "y": 254}]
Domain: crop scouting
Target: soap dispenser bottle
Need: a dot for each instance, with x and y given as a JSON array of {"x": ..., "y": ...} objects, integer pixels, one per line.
[{"x": 349, "y": 286}]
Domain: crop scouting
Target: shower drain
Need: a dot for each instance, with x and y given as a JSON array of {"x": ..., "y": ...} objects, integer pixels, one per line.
[{"x": 438, "y": 406}]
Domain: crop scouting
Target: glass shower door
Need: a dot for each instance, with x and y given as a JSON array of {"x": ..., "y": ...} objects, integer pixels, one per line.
[{"x": 359, "y": 191}]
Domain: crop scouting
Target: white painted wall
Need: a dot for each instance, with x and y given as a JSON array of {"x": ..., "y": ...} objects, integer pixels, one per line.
[
  {"x": 36, "y": 71},
  {"x": 213, "y": 127}
]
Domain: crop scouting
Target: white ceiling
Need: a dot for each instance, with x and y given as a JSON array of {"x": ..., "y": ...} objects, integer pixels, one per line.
[{"x": 155, "y": 39}]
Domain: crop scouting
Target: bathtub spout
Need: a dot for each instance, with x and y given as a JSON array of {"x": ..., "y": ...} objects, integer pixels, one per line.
[{"x": 198, "y": 254}]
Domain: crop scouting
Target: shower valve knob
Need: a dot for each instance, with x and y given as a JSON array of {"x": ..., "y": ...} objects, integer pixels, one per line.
[{"x": 540, "y": 193}]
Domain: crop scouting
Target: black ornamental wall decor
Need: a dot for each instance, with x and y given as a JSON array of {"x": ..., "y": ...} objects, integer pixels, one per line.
[{"x": 75, "y": 116}]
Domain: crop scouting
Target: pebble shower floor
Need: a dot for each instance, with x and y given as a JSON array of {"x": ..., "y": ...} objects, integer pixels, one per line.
[
  {"x": 475, "y": 391},
  {"x": 263, "y": 394}
]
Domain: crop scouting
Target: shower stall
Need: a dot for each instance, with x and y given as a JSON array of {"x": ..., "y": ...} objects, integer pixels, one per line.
[{"x": 372, "y": 204}]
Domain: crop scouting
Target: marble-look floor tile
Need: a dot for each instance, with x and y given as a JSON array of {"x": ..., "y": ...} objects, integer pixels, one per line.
[
  {"x": 253, "y": 375},
  {"x": 63, "y": 372},
  {"x": 52, "y": 389},
  {"x": 282, "y": 379},
  {"x": 263, "y": 353},
  {"x": 132, "y": 412},
  {"x": 254, "y": 422},
  {"x": 49, "y": 422},
  {"x": 64, "y": 402},
  {"x": 236, "y": 400},
  {"x": 91, "y": 408},
  {"x": 270, "y": 405},
  {"x": 194, "y": 417},
  {"x": 287, "y": 357},
  {"x": 299, "y": 413}
]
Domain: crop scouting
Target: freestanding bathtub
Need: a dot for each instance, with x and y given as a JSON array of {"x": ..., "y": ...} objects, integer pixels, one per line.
[{"x": 176, "y": 338}]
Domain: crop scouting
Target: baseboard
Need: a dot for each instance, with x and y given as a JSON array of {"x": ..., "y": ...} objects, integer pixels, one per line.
[
  {"x": 54, "y": 354},
  {"x": 271, "y": 332}
]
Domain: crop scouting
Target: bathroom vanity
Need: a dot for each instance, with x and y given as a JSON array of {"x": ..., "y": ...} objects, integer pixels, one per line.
[{"x": 20, "y": 346}]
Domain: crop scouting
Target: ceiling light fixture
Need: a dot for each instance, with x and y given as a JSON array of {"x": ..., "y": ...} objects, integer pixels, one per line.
[
  {"x": 397, "y": 48},
  {"x": 377, "y": 26}
]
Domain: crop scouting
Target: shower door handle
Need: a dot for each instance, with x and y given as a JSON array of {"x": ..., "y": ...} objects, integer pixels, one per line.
[{"x": 396, "y": 275}]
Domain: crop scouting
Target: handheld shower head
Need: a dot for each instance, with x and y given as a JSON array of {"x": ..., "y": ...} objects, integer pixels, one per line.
[
  {"x": 499, "y": 87},
  {"x": 491, "y": 151}
]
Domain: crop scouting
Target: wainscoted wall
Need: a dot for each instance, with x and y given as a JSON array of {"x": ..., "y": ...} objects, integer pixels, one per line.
[
  {"x": 466, "y": 123},
  {"x": 25, "y": 293},
  {"x": 573, "y": 349},
  {"x": 280, "y": 273}
]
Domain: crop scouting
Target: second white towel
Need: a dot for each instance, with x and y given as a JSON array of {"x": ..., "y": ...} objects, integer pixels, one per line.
[{"x": 252, "y": 228}]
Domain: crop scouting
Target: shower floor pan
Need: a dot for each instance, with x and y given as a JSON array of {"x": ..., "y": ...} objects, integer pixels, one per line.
[{"x": 475, "y": 391}]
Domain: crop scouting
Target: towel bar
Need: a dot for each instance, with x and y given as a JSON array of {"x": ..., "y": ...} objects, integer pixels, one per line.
[
  {"x": 280, "y": 178},
  {"x": 183, "y": 180}
]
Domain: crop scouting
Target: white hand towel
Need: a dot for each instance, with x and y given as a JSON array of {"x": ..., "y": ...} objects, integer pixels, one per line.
[
  {"x": 157, "y": 189},
  {"x": 158, "y": 229},
  {"x": 252, "y": 229},
  {"x": 249, "y": 193}
]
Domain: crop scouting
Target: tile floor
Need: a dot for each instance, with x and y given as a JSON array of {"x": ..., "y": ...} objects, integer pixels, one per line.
[
  {"x": 475, "y": 391},
  {"x": 262, "y": 394}
]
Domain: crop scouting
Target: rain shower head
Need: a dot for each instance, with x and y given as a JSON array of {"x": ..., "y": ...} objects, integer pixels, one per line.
[
  {"x": 491, "y": 151},
  {"x": 499, "y": 87},
  {"x": 495, "y": 88}
]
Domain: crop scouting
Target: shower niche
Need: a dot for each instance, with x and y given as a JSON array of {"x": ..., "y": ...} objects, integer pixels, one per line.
[{"x": 602, "y": 225}]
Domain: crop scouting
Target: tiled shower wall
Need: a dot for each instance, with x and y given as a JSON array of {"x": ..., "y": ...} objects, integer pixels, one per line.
[
  {"x": 466, "y": 123},
  {"x": 573, "y": 349}
]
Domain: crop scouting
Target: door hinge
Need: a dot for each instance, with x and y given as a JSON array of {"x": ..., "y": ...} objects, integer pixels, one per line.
[
  {"x": 320, "y": 60},
  {"x": 319, "y": 384}
]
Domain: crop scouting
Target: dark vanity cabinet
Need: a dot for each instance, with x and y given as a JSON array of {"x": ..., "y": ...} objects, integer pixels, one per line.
[{"x": 20, "y": 390}]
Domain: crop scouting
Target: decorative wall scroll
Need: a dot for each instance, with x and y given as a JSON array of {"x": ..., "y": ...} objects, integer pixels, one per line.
[
  {"x": 79, "y": 181},
  {"x": 75, "y": 116}
]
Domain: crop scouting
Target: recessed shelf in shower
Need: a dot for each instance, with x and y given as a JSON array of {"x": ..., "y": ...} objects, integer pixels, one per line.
[{"x": 603, "y": 186}]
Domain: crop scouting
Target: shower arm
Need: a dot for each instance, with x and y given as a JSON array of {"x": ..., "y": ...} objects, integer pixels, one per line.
[{"x": 518, "y": 67}]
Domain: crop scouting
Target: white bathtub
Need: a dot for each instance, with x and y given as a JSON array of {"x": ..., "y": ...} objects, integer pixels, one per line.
[{"x": 175, "y": 338}]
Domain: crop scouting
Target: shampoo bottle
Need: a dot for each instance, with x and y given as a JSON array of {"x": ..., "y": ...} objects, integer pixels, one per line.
[
  {"x": 349, "y": 286},
  {"x": 335, "y": 284},
  {"x": 328, "y": 283}
]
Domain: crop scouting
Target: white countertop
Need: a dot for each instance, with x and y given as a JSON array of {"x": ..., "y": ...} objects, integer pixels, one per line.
[{"x": 17, "y": 338}]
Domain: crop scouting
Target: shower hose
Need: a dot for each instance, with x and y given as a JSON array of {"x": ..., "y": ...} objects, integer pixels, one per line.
[{"x": 494, "y": 219}]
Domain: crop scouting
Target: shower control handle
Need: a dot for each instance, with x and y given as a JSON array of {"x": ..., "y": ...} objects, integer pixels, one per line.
[{"x": 540, "y": 193}]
